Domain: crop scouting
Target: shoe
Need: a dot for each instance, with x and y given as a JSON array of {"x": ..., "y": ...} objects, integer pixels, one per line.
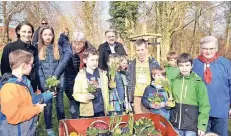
[{"x": 51, "y": 133}]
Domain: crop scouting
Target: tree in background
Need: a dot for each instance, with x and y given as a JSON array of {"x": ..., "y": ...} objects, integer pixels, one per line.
[{"x": 124, "y": 16}]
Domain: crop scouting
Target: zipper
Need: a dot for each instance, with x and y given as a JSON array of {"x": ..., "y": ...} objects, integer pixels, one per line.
[
  {"x": 181, "y": 97},
  {"x": 176, "y": 117},
  {"x": 185, "y": 91}
]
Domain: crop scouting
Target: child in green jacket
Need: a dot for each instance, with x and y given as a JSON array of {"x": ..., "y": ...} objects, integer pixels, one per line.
[{"x": 191, "y": 113}]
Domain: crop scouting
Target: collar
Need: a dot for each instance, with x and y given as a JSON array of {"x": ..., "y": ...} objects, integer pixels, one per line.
[{"x": 145, "y": 61}]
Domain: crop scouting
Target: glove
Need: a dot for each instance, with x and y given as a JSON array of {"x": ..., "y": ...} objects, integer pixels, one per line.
[{"x": 47, "y": 96}]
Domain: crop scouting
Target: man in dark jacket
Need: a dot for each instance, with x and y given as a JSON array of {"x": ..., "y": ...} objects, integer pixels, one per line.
[
  {"x": 139, "y": 75},
  {"x": 44, "y": 22},
  {"x": 109, "y": 47}
]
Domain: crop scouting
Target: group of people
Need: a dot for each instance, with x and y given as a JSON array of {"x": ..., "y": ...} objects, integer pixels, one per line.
[{"x": 105, "y": 82}]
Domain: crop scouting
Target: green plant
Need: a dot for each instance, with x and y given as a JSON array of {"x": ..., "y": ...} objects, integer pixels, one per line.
[
  {"x": 52, "y": 82},
  {"x": 156, "y": 98},
  {"x": 112, "y": 70},
  {"x": 145, "y": 126}
]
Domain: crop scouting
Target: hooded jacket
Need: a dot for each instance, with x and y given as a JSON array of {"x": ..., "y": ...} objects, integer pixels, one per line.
[{"x": 192, "y": 105}]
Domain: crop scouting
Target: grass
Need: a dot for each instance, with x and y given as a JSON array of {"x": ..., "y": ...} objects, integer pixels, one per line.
[{"x": 41, "y": 126}]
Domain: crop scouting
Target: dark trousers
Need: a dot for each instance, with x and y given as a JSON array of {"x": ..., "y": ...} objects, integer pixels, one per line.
[
  {"x": 218, "y": 126},
  {"x": 99, "y": 114},
  {"x": 59, "y": 110}
]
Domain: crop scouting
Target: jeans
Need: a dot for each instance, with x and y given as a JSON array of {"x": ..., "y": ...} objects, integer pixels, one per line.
[
  {"x": 218, "y": 126},
  {"x": 59, "y": 110},
  {"x": 185, "y": 132},
  {"x": 74, "y": 109}
]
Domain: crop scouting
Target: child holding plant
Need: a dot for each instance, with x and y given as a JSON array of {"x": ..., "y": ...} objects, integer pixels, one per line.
[
  {"x": 118, "y": 84},
  {"x": 91, "y": 87},
  {"x": 155, "y": 98},
  {"x": 50, "y": 61}
]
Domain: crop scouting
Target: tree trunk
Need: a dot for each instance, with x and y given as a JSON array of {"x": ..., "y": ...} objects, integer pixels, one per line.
[
  {"x": 228, "y": 32},
  {"x": 165, "y": 46}
]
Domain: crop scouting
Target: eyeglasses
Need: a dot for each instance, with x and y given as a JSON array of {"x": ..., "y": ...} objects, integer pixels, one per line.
[
  {"x": 44, "y": 23},
  {"x": 208, "y": 49}
]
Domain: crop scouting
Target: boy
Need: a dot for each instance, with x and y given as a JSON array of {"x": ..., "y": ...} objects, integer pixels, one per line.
[
  {"x": 191, "y": 113},
  {"x": 171, "y": 68},
  {"x": 18, "y": 113},
  {"x": 152, "y": 91},
  {"x": 93, "y": 103}
]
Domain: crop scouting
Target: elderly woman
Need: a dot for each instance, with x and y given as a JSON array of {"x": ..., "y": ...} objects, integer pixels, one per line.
[
  {"x": 79, "y": 45},
  {"x": 216, "y": 72}
]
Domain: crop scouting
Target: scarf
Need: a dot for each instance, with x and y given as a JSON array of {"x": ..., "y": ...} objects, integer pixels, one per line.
[
  {"x": 208, "y": 72},
  {"x": 82, "y": 64}
]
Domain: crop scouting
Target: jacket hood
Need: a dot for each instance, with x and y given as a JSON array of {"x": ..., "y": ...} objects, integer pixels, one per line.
[{"x": 6, "y": 76}]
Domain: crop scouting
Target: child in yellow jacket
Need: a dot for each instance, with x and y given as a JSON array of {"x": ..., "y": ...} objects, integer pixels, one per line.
[{"x": 91, "y": 87}]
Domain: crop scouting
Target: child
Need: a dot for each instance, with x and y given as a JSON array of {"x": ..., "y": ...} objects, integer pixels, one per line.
[
  {"x": 153, "y": 91},
  {"x": 191, "y": 113},
  {"x": 50, "y": 57},
  {"x": 91, "y": 87},
  {"x": 171, "y": 68},
  {"x": 118, "y": 91},
  {"x": 19, "y": 114}
]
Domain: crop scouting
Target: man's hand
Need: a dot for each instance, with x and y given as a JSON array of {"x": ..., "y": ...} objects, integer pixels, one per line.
[
  {"x": 89, "y": 97},
  {"x": 201, "y": 133}
]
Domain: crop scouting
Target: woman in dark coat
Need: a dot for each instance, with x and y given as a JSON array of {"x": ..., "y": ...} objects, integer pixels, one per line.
[
  {"x": 24, "y": 32},
  {"x": 79, "y": 45}
]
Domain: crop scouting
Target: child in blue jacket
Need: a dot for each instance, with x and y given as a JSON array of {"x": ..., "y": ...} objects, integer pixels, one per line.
[{"x": 156, "y": 91}]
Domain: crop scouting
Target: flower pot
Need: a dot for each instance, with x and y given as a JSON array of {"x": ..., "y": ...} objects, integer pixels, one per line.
[{"x": 112, "y": 84}]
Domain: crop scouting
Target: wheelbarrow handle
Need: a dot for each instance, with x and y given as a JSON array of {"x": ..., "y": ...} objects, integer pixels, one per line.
[{"x": 66, "y": 133}]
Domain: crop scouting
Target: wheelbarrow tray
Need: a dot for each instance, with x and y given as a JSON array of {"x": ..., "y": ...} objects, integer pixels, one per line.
[{"x": 80, "y": 125}]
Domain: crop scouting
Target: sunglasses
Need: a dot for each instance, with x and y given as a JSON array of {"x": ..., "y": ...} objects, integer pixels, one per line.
[{"x": 44, "y": 23}]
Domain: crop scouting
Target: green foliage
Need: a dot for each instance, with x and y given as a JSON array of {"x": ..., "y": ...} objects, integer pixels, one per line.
[
  {"x": 52, "y": 82},
  {"x": 123, "y": 14},
  {"x": 112, "y": 70}
]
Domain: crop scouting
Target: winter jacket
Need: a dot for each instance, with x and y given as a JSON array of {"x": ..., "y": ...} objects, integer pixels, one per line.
[
  {"x": 72, "y": 70},
  {"x": 80, "y": 91},
  {"x": 171, "y": 72},
  {"x": 192, "y": 105},
  {"x": 131, "y": 72},
  {"x": 9, "y": 78},
  {"x": 19, "y": 44},
  {"x": 48, "y": 67},
  {"x": 19, "y": 110},
  {"x": 62, "y": 39},
  {"x": 149, "y": 92},
  {"x": 219, "y": 90},
  {"x": 105, "y": 51}
]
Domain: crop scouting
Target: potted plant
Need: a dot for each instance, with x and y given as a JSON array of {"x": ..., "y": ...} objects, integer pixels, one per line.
[
  {"x": 98, "y": 128},
  {"x": 92, "y": 87},
  {"x": 52, "y": 83},
  {"x": 112, "y": 73}
]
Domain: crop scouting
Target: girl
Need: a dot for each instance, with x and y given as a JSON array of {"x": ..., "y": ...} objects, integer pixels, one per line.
[
  {"x": 49, "y": 59},
  {"x": 118, "y": 92}
]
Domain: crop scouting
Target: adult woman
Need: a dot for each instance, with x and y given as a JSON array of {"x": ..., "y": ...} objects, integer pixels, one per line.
[
  {"x": 24, "y": 32},
  {"x": 50, "y": 55},
  {"x": 79, "y": 44}
]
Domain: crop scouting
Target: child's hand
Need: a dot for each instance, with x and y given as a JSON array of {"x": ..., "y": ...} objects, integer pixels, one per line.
[
  {"x": 41, "y": 106},
  {"x": 201, "y": 133},
  {"x": 112, "y": 85},
  {"x": 89, "y": 97},
  {"x": 54, "y": 94},
  {"x": 159, "y": 105}
]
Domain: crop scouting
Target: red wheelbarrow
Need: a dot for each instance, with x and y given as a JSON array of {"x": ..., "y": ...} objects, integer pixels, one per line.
[{"x": 80, "y": 125}]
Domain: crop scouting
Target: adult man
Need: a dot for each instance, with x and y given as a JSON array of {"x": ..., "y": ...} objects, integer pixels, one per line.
[
  {"x": 44, "y": 22},
  {"x": 139, "y": 75},
  {"x": 109, "y": 47},
  {"x": 216, "y": 72}
]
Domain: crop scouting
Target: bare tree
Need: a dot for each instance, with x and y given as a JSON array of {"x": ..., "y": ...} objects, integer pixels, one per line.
[{"x": 8, "y": 10}]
